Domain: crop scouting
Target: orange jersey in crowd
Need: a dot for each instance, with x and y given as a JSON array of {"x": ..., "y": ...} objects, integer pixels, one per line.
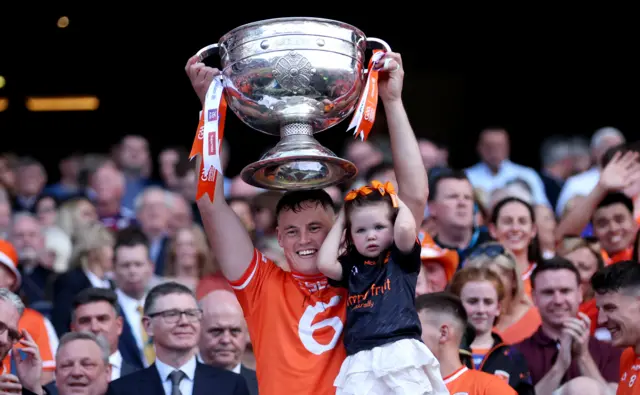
[
  {"x": 475, "y": 382},
  {"x": 629, "y": 372},
  {"x": 295, "y": 323},
  {"x": 34, "y": 323}
]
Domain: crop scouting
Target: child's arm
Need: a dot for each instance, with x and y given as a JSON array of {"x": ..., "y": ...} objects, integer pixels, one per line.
[
  {"x": 328, "y": 255},
  {"x": 404, "y": 230}
]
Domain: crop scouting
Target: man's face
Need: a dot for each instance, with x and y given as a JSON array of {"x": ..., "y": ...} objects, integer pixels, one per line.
[
  {"x": 453, "y": 205},
  {"x": 80, "y": 369},
  {"x": 134, "y": 153},
  {"x": 176, "y": 322},
  {"x": 619, "y": 312},
  {"x": 615, "y": 227},
  {"x": 301, "y": 234},
  {"x": 431, "y": 332},
  {"x": 27, "y": 238},
  {"x": 9, "y": 318},
  {"x": 224, "y": 337},
  {"x": 132, "y": 269},
  {"x": 98, "y": 318},
  {"x": 557, "y": 295},
  {"x": 493, "y": 147}
]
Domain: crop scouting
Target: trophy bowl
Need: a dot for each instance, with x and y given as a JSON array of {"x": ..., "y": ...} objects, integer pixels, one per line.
[{"x": 294, "y": 77}]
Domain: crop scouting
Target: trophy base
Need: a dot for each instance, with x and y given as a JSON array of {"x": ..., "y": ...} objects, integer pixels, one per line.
[{"x": 298, "y": 162}]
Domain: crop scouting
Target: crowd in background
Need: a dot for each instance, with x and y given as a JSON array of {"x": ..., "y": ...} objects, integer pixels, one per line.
[{"x": 516, "y": 245}]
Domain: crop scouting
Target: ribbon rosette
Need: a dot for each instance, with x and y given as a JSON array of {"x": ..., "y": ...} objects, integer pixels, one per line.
[{"x": 386, "y": 188}]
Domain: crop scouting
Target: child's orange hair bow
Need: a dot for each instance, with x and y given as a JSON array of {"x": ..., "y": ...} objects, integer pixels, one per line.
[{"x": 386, "y": 188}]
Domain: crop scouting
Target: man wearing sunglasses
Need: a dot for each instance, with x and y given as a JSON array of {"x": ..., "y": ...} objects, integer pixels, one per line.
[{"x": 27, "y": 363}]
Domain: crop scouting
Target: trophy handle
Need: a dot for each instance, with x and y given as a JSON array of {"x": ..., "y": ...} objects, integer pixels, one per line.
[
  {"x": 207, "y": 51},
  {"x": 381, "y": 42}
]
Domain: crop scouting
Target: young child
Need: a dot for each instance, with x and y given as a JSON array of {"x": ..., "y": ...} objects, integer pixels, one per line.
[{"x": 379, "y": 265}]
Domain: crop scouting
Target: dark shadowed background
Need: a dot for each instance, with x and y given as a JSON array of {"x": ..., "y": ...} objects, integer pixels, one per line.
[{"x": 537, "y": 75}]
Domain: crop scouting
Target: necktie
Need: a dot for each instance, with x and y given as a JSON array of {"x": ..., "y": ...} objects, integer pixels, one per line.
[
  {"x": 147, "y": 344},
  {"x": 176, "y": 377}
]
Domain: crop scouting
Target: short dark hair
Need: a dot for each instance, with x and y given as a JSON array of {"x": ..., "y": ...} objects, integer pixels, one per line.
[
  {"x": 435, "y": 177},
  {"x": 294, "y": 200},
  {"x": 164, "y": 289},
  {"x": 611, "y": 152},
  {"x": 443, "y": 302},
  {"x": 131, "y": 236},
  {"x": 511, "y": 199},
  {"x": 615, "y": 198},
  {"x": 555, "y": 263},
  {"x": 94, "y": 295},
  {"x": 616, "y": 277}
]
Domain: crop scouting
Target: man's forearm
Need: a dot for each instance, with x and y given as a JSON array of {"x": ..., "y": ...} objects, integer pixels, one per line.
[
  {"x": 587, "y": 367},
  {"x": 407, "y": 161},
  {"x": 550, "y": 381}
]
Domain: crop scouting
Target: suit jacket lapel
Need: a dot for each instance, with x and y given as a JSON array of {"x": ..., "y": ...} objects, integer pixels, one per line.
[{"x": 152, "y": 379}]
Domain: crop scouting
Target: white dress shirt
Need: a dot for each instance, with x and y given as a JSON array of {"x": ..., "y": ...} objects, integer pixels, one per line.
[
  {"x": 96, "y": 281},
  {"x": 482, "y": 177},
  {"x": 579, "y": 185},
  {"x": 115, "y": 360},
  {"x": 130, "y": 311},
  {"x": 186, "y": 385}
]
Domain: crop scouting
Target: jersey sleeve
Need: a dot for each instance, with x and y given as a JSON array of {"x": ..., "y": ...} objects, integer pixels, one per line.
[
  {"x": 347, "y": 265},
  {"x": 255, "y": 281},
  {"x": 409, "y": 262}
]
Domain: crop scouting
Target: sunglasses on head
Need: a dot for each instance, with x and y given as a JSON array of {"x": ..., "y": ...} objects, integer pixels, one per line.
[{"x": 490, "y": 251}]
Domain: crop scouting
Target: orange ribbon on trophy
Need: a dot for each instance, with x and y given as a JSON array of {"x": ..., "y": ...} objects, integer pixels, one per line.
[
  {"x": 386, "y": 188},
  {"x": 365, "y": 113},
  {"x": 209, "y": 137}
]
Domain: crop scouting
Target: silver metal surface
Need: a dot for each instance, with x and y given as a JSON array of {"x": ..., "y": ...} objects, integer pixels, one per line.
[{"x": 286, "y": 75}]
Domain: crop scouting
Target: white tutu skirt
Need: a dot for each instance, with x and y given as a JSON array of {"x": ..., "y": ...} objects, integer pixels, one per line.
[{"x": 404, "y": 367}]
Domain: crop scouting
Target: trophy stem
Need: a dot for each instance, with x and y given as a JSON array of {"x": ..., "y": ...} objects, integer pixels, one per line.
[{"x": 297, "y": 128}]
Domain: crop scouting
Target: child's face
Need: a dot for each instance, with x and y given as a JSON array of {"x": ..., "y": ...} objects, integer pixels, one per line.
[{"x": 371, "y": 229}]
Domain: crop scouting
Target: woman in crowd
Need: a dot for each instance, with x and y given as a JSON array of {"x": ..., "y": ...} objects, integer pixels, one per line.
[
  {"x": 189, "y": 257},
  {"x": 513, "y": 225},
  {"x": 482, "y": 293},
  {"x": 519, "y": 318}
]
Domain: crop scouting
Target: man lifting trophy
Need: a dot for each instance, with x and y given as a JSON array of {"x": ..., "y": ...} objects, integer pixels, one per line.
[{"x": 290, "y": 77}]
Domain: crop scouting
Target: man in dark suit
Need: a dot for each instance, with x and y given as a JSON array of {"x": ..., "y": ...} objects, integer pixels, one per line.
[
  {"x": 224, "y": 336},
  {"x": 172, "y": 319}
]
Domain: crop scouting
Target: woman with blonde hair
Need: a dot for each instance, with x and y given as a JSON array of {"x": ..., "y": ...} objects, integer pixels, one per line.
[
  {"x": 91, "y": 265},
  {"x": 519, "y": 318},
  {"x": 74, "y": 214},
  {"x": 482, "y": 293}
]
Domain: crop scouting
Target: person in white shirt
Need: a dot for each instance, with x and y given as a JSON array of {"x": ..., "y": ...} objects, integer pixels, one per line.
[
  {"x": 495, "y": 170},
  {"x": 583, "y": 183}
]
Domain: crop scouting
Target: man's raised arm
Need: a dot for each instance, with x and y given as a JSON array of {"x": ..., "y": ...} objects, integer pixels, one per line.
[
  {"x": 411, "y": 174},
  {"x": 229, "y": 239}
]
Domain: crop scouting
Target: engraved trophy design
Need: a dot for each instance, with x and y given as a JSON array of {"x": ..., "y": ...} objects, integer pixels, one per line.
[{"x": 294, "y": 77}]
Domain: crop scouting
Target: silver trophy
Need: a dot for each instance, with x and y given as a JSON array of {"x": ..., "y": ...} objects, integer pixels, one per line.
[{"x": 294, "y": 77}]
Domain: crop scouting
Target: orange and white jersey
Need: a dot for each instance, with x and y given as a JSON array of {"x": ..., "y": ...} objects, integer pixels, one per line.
[
  {"x": 295, "y": 323},
  {"x": 629, "y": 372},
  {"x": 475, "y": 382}
]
